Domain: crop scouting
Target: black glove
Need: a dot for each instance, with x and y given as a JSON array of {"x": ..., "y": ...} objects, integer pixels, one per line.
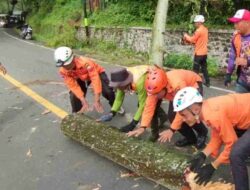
[
  {"x": 204, "y": 174},
  {"x": 197, "y": 161},
  {"x": 227, "y": 80},
  {"x": 129, "y": 127}
]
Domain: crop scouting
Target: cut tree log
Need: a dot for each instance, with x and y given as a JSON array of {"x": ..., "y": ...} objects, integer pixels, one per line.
[{"x": 164, "y": 166}]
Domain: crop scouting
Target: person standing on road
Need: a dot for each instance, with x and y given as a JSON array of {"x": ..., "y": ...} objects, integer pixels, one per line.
[
  {"x": 78, "y": 73},
  {"x": 200, "y": 41},
  {"x": 223, "y": 115},
  {"x": 239, "y": 55},
  {"x": 128, "y": 80},
  {"x": 2, "y": 69},
  {"x": 164, "y": 85}
]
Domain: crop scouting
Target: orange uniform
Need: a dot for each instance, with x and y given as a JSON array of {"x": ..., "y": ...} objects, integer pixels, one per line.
[
  {"x": 223, "y": 115},
  {"x": 177, "y": 79},
  {"x": 85, "y": 70},
  {"x": 200, "y": 39}
]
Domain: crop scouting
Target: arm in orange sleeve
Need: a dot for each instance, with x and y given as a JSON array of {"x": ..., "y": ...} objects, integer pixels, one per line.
[
  {"x": 176, "y": 124},
  {"x": 94, "y": 77},
  {"x": 193, "y": 39},
  {"x": 73, "y": 86},
  {"x": 149, "y": 110},
  {"x": 228, "y": 137},
  {"x": 214, "y": 145}
]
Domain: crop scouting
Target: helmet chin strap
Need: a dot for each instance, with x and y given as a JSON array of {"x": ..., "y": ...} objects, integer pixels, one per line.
[{"x": 196, "y": 116}]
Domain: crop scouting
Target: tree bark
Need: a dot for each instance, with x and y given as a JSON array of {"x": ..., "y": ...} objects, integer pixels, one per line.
[
  {"x": 159, "y": 26},
  {"x": 161, "y": 165}
]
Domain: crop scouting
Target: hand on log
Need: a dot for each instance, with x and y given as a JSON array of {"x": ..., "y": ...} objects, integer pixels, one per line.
[
  {"x": 85, "y": 106},
  {"x": 166, "y": 136},
  {"x": 98, "y": 106},
  {"x": 137, "y": 132}
]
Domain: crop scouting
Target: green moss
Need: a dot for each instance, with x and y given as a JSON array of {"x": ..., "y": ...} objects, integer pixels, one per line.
[{"x": 164, "y": 166}]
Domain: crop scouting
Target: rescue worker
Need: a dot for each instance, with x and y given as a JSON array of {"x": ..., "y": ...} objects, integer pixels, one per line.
[
  {"x": 78, "y": 73},
  {"x": 164, "y": 85},
  {"x": 131, "y": 80},
  {"x": 223, "y": 115},
  {"x": 200, "y": 41},
  {"x": 2, "y": 69},
  {"x": 239, "y": 55}
]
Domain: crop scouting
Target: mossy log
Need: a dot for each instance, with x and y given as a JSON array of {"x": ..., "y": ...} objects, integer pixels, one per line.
[{"x": 163, "y": 166}]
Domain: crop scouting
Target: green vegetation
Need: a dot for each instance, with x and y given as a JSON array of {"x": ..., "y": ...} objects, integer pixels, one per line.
[
  {"x": 56, "y": 26},
  {"x": 126, "y": 13},
  {"x": 109, "y": 52},
  {"x": 55, "y": 23},
  {"x": 184, "y": 61}
]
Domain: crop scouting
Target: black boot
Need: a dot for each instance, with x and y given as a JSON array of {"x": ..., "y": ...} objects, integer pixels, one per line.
[
  {"x": 154, "y": 131},
  {"x": 129, "y": 127},
  {"x": 184, "y": 142},
  {"x": 189, "y": 136},
  {"x": 154, "y": 137},
  {"x": 162, "y": 115},
  {"x": 201, "y": 142},
  {"x": 202, "y": 131}
]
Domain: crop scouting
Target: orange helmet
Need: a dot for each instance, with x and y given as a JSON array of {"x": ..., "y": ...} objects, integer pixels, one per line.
[{"x": 156, "y": 80}]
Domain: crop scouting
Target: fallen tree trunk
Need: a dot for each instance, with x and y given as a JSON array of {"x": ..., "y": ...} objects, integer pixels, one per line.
[{"x": 164, "y": 166}]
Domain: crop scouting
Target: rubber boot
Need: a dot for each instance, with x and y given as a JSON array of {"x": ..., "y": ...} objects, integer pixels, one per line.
[{"x": 201, "y": 131}]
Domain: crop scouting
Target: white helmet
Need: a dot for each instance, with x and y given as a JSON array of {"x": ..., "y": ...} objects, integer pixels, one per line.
[
  {"x": 63, "y": 56},
  {"x": 185, "y": 98},
  {"x": 199, "y": 18}
]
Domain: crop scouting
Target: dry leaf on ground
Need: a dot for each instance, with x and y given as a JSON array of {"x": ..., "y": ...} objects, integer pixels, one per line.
[
  {"x": 128, "y": 174},
  {"x": 29, "y": 154},
  {"x": 45, "y": 112}
]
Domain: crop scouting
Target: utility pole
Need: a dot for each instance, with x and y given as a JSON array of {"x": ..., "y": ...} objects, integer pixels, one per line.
[{"x": 85, "y": 20}]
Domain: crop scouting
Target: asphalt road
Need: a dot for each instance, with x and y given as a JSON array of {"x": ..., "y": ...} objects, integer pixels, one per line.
[{"x": 34, "y": 154}]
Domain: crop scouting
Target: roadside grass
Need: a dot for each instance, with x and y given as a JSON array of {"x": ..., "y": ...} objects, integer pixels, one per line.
[{"x": 184, "y": 61}]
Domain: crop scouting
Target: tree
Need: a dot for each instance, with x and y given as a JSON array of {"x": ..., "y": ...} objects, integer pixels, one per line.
[
  {"x": 157, "y": 46},
  {"x": 203, "y": 6},
  {"x": 13, "y": 3}
]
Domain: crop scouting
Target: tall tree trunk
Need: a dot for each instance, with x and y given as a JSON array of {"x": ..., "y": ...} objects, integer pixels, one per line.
[{"x": 157, "y": 46}]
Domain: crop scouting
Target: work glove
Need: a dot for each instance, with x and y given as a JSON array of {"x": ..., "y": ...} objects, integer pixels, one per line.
[
  {"x": 129, "y": 127},
  {"x": 204, "y": 174},
  {"x": 107, "y": 117},
  {"x": 227, "y": 80},
  {"x": 197, "y": 161}
]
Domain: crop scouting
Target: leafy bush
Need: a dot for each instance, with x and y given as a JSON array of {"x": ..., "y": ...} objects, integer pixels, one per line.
[
  {"x": 54, "y": 25},
  {"x": 125, "y": 13},
  {"x": 184, "y": 61}
]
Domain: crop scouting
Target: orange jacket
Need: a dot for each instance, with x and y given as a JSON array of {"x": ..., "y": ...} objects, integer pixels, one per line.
[
  {"x": 177, "y": 79},
  {"x": 223, "y": 115},
  {"x": 200, "y": 39},
  {"x": 85, "y": 69}
]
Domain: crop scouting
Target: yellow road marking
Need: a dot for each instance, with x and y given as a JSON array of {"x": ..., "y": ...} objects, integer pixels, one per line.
[{"x": 47, "y": 104}]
